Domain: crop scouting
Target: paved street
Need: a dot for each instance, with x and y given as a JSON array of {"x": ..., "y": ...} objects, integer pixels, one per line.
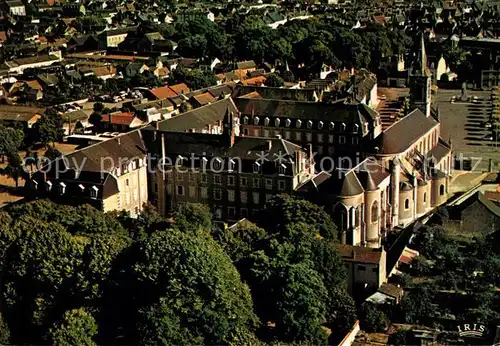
[{"x": 463, "y": 121}]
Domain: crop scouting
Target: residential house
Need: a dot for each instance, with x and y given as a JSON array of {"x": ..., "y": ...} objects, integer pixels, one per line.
[
  {"x": 113, "y": 37},
  {"x": 474, "y": 213},
  {"x": 16, "y": 8},
  {"x": 17, "y": 66},
  {"x": 135, "y": 68},
  {"x": 120, "y": 122},
  {"x": 202, "y": 99},
  {"x": 180, "y": 88},
  {"x": 161, "y": 93},
  {"x": 110, "y": 175},
  {"x": 20, "y": 115},
  {"x": 274, "y": 19},
  {"x": 365, "y": 268}
]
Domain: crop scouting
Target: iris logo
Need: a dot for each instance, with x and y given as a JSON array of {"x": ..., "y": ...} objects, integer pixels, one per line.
[{"x": 474, "y": 330}]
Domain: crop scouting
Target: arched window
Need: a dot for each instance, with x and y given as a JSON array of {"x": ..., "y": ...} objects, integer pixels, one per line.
[
  {"x": 407, "y": 203},
  {"x": 356, "y": 217},
  {"x": 340, "y": 215},
  {"x": 425, "y": 197},
  {"x": 375, "y": 211},
  {"x": 441, "y": 190}
]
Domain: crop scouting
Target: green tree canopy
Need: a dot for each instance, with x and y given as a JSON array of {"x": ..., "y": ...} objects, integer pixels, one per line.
[
  {"x": 49, "y": 128},
  {"x": 273, "y": 80},
  {"x": 76, "y": 328}
]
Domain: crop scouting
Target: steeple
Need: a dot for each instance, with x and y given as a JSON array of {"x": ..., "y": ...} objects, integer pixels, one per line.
[{"x": 420, "y": 81}]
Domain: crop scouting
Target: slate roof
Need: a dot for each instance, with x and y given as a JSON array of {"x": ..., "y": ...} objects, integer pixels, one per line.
[
  {"x": 398, "y": 137},
  {"x": 275, "y": 93},
  {"x": 440, "y": 150},
  {"x": 198, "y": 118}
]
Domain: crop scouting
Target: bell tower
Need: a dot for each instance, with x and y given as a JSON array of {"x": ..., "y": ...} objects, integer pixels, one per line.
[{"x": 420, "y": 82}]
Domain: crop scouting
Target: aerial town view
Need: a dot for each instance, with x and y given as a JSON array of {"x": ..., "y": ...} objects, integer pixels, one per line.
[{"x": 282, "y": 172}]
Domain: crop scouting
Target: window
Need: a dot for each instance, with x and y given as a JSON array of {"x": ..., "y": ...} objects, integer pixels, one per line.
[
  {"x": 231, "y": 165},
  {"x": 266, "y": 121},
  {"x": 180, "y": 190},
  {"x": 217, "y": 194},
  {"x": 288, "y": 135},
  {"x": 48, "y": 186},
  {"x": 288, "y": 122},
  {"x": 192, "y": 177},
  {"x": 374, "y": 211},
  {"x": 320, "y": 150},
  {"x": 330, "y": 138},
  {"x": 441, "y": 190},
  {"x": 341, "y": 216},
  {"x": 277, "y": 122},
  {"x": 309, "y": 124},
  {"x": 217, "y": 179},
  {"x": 342, "y": 127},
  {"x": 342, "y": 139},
  {"x": 361, "y": 268},
  {"x": 204, "y": 192},
  {"x": 425, "y": 197},
  {"x": 62, "y": 188},
  {"x": 356, "y": 216},
  {"x": 218, "y": 212},
  {"x": 355, "y": 140},
  {"x": 246, "y": 132},
  {"x": 298, "y": 136},
  {"x": 230, "y": 195},
  {"x": 331, "y": 150},
  {"x": 192, "y": 191},
  {"x": 180, "y": 177},
  {"x": 281, "y": 185},
  {"x": 355, "y": 128},
  {"x": 320, "y": 138},
  {"x": 268, "y": 197},
  {"x": 265, "y": 133},
  {"x": 256, "y": 132},
  {"x": 245, "y": 120},
  {"x": 407, "y": 204},
  {"x": 320, "y": 125},
  {"x": 243, "y": 182},
  {"x": 243, "y": 196},
  {"x": 309, "y": 136},
  {"x": 256, "y": 198},
  {"x": 244, "y": 212},
  {"x": 299, "y": 123},
  {"x": 127, "y": 182},
  {"x": 35, "y": 184},
  {"x": 217, "y": 164},
  {"x": 82, "y": 188},
  {"x": 256, "y": 183},
  {"x": 331, "y": 126},
  {"x": 230, "y": 180},
  {"x": 256, "y": 167},
  {"x": 231, "y": 212},
  {"x": 269, "y": 184},
  {"x": 281, "y": 169},
  {"x": 93, "y": 192}
]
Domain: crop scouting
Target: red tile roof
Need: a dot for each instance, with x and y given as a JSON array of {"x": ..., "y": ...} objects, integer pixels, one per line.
[
  {"x": 119, "y": 118},
  {"x": 359, "y": 254},
  {"x": 163, "y": 92},
  {"x": 204, "y": 98},
  {"x": 180, "y": 88},
  {"x": 255, "y": 81},
  {"x": 492, "y": 195}
]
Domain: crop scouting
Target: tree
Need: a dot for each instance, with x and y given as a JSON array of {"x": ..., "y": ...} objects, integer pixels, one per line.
[
  {"x": 52, "y": 153},
  {"x": 273, "y": 80},
  {"x": 193, "y": 216},
  {"x": 12, "y": 139},
  {"x": 196, "y": 79},
  {"x": 14, "y": 168},
  {"x": 417, "y": 304},
  {"x": 201, "y": 288},
  {"x": 283, "y": 210},
  {"x": 96, "y": 120},
  {"x": 373, "y": 320},
  {"x": 49, "y": 128},
  {"x": 76, "y": 328},
  {"x": 4, "y": 332}
]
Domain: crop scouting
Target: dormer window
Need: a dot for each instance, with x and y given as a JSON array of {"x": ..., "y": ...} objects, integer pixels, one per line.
[
  {"x": 48, "y": 186},
  {"x": 217, "y": 164},
  {"x": 342, "y": 127},
  {"x": 245, "y": 120},
  {"x": 281, "y": 169},
  {"x": 355, "y": 128},
  {"x": 331, "y": 126},
  {"x": 299, "y": 124},
  {"x": 93, "y": 192},
  {"x": 320, "y": 125},
  {"x": 62, "y": 188},
  {"x": 266, "y": 121},
  {"x": 309, "y": 124},
  {"x": 277, "y": 122},
  {"x": 35, "y": 184},
  {"x": 82, "y": 188},
  {"x": 288, "y": 122},
  {"x": 256, "y": 121},
  {"x": 256, "y": 167},
  {"x": 204, "y": 162},
  {"x": 232, "y": 165}
]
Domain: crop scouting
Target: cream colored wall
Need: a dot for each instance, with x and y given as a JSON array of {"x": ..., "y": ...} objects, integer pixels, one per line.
[
  {"x": 405, "y": 214},
  {"x": 437, "y": 199},
  {"x": 372, "y": 228},
  {"x": 423, "y": 207}
]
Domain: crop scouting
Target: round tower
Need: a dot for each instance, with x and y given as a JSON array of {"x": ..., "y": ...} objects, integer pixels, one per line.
[{"x": 395, "y": 179}]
